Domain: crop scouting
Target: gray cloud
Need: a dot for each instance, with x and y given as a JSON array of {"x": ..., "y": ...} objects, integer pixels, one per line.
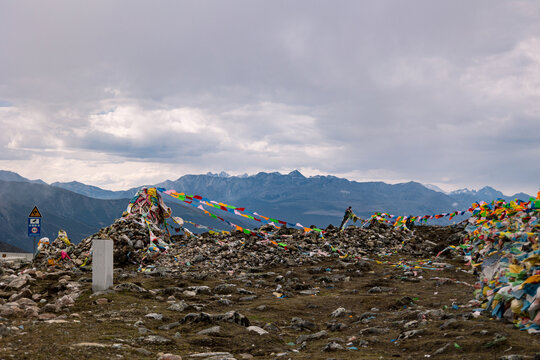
[{"x": 439, "y": 92}]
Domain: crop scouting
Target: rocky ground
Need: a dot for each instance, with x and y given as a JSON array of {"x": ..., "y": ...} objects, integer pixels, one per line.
[{"x": 374, "y": 293}]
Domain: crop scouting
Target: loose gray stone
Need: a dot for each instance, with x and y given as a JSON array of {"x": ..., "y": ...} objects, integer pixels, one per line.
[
  {"x": 333, "y": 346},
  {"x": 129, "y": 287},
  {"x": 200, "y": 289},
  {"x": 368, "y": 316},
  {"x": 231, "y": 316},
  {"x": 380, "y": 289},
  {"x": 341, "y": 311},
  {"x": 214, "y": 330},
  {"x": 225, "y": 302},
  {"x": 257, "y": 329},
  {"x": 434, "y": 314},
  {"x": 198, "y": 258},
  {"x": 142, "y": 330},
  {"x": 170, "y": 357},
  {"x": 245, "y": 292},
  {"x": 318, "y": 335},
  {"x": 375, "y": 330},
  {"x": 154, "y": 316},
  {"x": 178, "y": 306},
  {"x": 4, "y": 330},
  {"x": 24, "y": 302},
  {"x": 64, "y": 301},
  {"x": 26, "y": 293},
  {"x": 497, "y": 340},
  {"x": 309, "y": 292},
  {"x": 225, "y": 289},
  {"x": 143, "y": 351},
  {"x": 410, "y": 334},
  {"x": 271, "y": 328},
  {"x": 411, "y": 324},
  {"x": 335, "y": 326},
  {"x": 300, "y": 324},
  {"x": 450, "y": 324},
  {"x": 169, "y": 326},
  {"x": 19, "y": 282},
  {"x": 442, "y": 349},
  {"x": 211, "y": 354},
  {"x": 156, "y": 340}
]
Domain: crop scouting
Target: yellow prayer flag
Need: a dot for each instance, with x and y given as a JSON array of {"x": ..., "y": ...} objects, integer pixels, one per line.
[
  {"x": 531, "y": 280},
  {"x": 515, "y": 268}
]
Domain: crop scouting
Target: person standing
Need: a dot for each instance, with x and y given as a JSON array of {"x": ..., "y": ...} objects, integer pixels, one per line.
[
  {"x": 409, "y": 224},
  {"x": 348, "y": 214}
]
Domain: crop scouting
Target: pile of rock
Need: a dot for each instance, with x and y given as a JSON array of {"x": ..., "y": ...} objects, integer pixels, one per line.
[
  {"x": 130, "y": 239},
  {"x": 141, "y": 233},
  {"x": 135, "y": 244},
  {"x": 131, "y": 242},
  {"x": 234, "y": 251},
  {"x": 17, "y": 299}
]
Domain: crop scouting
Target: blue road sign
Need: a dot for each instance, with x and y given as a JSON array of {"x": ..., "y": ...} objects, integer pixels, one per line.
[{"x": 34, "y": 226}]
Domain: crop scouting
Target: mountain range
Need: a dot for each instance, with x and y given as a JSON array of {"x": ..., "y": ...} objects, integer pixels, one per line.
[{"x": 83, "y": 209}]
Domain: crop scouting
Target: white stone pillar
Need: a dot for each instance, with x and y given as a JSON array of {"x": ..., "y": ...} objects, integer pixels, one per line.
[{"x": 102, "y": 265}]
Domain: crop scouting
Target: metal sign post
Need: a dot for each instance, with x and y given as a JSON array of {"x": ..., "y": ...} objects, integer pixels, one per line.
[{"x": 34, "y": 227}]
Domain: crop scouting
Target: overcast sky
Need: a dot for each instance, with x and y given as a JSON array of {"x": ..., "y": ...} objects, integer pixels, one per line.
[{"x": 122, "y": 93}]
